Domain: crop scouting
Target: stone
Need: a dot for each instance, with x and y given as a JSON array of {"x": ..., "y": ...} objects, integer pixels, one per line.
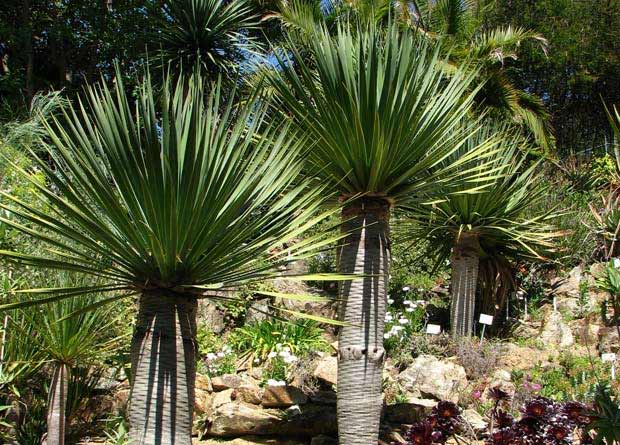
[
  {"x": 249, "y": 440},
  {"x": 429, "y": 376},
  {"x": 326, "y": 370},
  {"x": 324, "y": 440},
  {"x": 249, "y": 394},
  {"x": 258, "y": 311},
  {"x": 282, "y": 396},
  {"x": 239, "y": 419},
  {"x": 222, "y": 398},
  {"x": 203, "y": 383},
  {"x": 323, "y": 397},
  {"x": 474, "y": 419},
  {"x": 608, "y": 340},
  {"x": 406, "y": 413},
  {"x": 230, "y": 381},
  {"x": 521, "y": 358},
  {"x": 203, "y": 402},
  {"x": 585, "y": 331},
  {"x": 555, "y": 332},
  {"x": 568, "y": 286},
  {"x": 210, "y": 315}
]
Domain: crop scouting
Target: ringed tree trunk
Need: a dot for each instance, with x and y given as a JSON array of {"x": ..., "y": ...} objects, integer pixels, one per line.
[
  {"x": 366, "y": 250},
  {"x": 465, "y": 261},
  {"x": 163, "y": 370},
  {"x": 57, "y": 405}
]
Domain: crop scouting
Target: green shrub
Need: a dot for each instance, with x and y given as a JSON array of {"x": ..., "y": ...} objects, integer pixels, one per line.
[{"x": 268, "y": 338}]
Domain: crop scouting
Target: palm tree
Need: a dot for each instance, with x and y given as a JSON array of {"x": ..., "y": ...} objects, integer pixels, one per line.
[
  {"x": 172, "y": 199},
  {"x": 489, "y": 229},
  {"x": 460, "y": 25},
  {"x": 215, "y": 35},
  {"x": 69, "y": 337},
  {"x": 381, "y": 115}
]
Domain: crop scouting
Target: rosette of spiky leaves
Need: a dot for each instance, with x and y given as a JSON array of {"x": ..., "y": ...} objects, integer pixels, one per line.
[
  {"x": 215, "y": 35},
  {"x": 498, "y": 213},
  {"x": 175, "y": 192},
  {"x": 605, "y": 416},
  {"x": 382, "y": 114}
]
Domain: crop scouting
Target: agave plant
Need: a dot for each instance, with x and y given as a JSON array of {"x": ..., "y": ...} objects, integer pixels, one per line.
[
  {"x": 211, "y": 34},
  {"x": 382, "y": 116},
  {"x": 492, "y": 227},
  {"x": 173, "y": 198}
]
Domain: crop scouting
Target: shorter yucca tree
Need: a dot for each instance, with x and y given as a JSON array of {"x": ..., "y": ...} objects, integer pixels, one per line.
[
  {"x": 170, "y": 198},
  {"x": 70, "y": 334},
  {"x": 498, "y": 223}
]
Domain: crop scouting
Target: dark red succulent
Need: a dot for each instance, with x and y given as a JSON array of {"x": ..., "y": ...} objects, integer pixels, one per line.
[
  {"x": 576, "y": 412},
  {"x": 446, "y": 410},
  {"x": 498, "y": 394},
  {"x": 559, "y": 434},
  {"x": 503, "y": 419},
  {"x": 421, "y": 433},
  {"x": 538, "y": 407}
]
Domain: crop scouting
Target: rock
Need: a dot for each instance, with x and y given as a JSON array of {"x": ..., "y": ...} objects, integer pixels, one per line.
[
  {"x": 323, "y": 397},
  {"x": 324, "y": 440},
  {"x": 326, "y": 370},
  {"x": 239, "y": 419},
  {"x": 248, "y": 394},
  {"x": 406, "y": 413},
  {"x": 608, "y": 340},
  {"x": 555, "y": 332},
  {"x": 209, "y": 315},
  {"x": 282, "y": 396},
  {"x": 430, "y": 377},
  {"x": 569, "y": 306},
  {"x": 222, "y": 398},
  {"x": 250, "y": 440},
  {"x": 203, "y": 402},
  {"x": 474, "y": 419},
  {"x": 568, "y": 286},
  {"x": 230, "y": 381},
  {"x": 203, "y": 383},
  {"x": 521, "y": 358},
  {"x": 585, "y": 331},
  {"x": 258, "y": 311}
]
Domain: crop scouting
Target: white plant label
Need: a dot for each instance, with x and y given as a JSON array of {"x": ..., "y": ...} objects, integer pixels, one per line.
[
  {"x": 609, "y": 357},
  {"x": 616, "y": 262},
  {"x": 433, "y": 329},
  {"x": 486, "y": 319}
]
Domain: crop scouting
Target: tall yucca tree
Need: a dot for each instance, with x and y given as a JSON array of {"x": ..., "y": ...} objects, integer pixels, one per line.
[
  {"x": 497, "y": 225},
  {"x": 382, "y": 116},
  {"x": 170, "y": 198},
  {"x": 68, "y": 337}
]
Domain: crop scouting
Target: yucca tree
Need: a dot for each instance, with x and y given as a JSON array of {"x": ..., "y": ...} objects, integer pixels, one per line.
[
  {"x": 497, "y": 225},
  {"x": 382, "y": 116},
  {"x": 67, "y": 337},
  {"x": 214, "y": 35},
  {"x": 170, "y": 199}
]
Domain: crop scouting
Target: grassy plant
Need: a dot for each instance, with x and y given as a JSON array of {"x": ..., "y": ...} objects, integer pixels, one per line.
[{"x": 269, "y": 337}]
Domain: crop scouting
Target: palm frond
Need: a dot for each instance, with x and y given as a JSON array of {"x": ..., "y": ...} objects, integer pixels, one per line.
[
  {"x": 170, "y": 193},
  {"x": 380, "y": 112}
]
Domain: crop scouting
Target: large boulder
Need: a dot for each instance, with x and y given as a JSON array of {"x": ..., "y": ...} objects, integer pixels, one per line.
[
  {"x": 608, "y": 340},
  {"x": 232, "y": 381},
  {"x": 429, "y": 376},
  {"x": 210, "y": 315},
  {"x": 568, "y": 286},
  {"x": 521, "y": 358},
  {"x": 556, "y": 332}
]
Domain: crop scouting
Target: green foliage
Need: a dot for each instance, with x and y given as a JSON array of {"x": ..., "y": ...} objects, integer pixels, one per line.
[
  {"x": 402, "y": 321},
  {"x": 215, "y": 356},
  {"x": 268, "y": 338},
  {"x": 381, "y": 113},
  {"x": 606, "y": 416},
  {"x": 205, "y": 219}
]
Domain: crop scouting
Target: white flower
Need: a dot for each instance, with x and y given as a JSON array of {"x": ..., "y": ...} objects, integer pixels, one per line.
[
  {"x": 388, "y": 318},
  {"x": 284, "y": 354},
  {"x": 387, "y": 335},
  {"x": 272, "y": 354},
  {"x": 390, "y": 301},
  {"x": 407, "y": 302},
  {"x": 410, "y": 309},
  {"x": 257, "y": 360},
  {"x": 420, "y": 289},
  {"x": 406, "y": 289},
  {"x": 278, "y": 346},
  {"x": 211, "y": 356},
  {"x": 220, "y": 354},
  {"x": 290, "y": 359},
  {"x": 403, "y": 321},
  {"x": 273, "y": 382}
]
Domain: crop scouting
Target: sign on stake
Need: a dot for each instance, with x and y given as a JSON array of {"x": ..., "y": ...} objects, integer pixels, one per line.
[
  {"x": 433, "y": 329},
  {"x": 485, "y": 320}
]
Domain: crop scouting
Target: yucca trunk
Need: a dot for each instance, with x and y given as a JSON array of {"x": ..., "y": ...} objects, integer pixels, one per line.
[
  {"x": 465, "y": 261},
  {"x": 57, "y": 405},
  {"x": 366, "y": 250},
  {"x": 163, "y": 364}
]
